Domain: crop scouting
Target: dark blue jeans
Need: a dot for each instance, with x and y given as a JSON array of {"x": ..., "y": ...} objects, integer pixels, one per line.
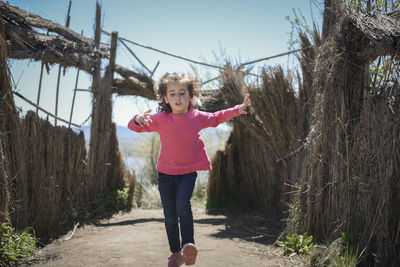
[{"x": 175, "y": 192}]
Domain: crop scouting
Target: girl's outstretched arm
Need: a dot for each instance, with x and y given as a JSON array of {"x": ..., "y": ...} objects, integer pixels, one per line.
[
  {"x": 216, "y": 118},
  {"x": 143, "y": 122}
]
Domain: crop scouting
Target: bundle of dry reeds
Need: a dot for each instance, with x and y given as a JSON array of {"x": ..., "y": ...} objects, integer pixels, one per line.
[
  {"x": 11, "y": 152},
  {"x": 350, "y": 171},
  {"x": 100, "y": 138},
  {"x": 4, "y": 173},
  {"x": 54, "y": 188},
  {"x": 339, "y": 84},
  {"x": 116, "y": 173},
  {"x": 249, "y": 171},
  {"x": 4, "y": 189},
  {"x": 376, "y": 172}
]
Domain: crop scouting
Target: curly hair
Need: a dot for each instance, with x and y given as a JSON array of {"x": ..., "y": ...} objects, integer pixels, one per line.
[{"x": 160, "y": 89}]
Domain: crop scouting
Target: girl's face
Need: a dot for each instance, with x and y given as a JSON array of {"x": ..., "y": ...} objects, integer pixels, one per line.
[{"x": 178, "y": 97}]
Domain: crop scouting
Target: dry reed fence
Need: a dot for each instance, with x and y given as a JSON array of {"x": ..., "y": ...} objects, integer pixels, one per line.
[
  {"x": 44, "y": 175},
  {"x": 56, "y": 183},
  {"x": 248, "y": 172},
  {"x": 262, "y": 156},
  {"x": 351, "y": 170},
  {"x": 348, "y": 167}
]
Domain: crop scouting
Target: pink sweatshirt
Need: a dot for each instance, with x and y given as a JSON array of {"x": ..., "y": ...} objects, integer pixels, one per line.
[{"x": 182, "y": 148}]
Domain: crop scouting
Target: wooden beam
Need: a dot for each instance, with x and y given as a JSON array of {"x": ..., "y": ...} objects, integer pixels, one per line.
[
  {"x": 97, "y": 65},
  {"x": 25, "y": 42},
  {"x": 59, "y": 67},
  {"x": 41, "y": 109},
  {"x": 30, "y": 20},
  {"x": 133, "y": 87},
  {"x": 113, "y": 54},
  {"x": 127, "y": 73},
  {"x": 40, "y": 87}
]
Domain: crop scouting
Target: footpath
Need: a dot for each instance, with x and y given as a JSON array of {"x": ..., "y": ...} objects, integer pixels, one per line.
[{"x": 138, "y": 239}]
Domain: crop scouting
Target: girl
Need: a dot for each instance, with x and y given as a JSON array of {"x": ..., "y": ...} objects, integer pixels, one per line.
[{"x": 182, "y": 154}]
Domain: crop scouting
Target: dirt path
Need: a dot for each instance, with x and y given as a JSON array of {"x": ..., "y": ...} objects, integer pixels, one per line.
[{"x": 138, "y": 239}]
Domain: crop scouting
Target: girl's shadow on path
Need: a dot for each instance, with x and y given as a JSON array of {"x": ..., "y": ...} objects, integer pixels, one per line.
[{"x": 246, "y": 226}]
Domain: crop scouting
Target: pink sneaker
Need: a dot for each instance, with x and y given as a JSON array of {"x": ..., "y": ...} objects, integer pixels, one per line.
[
  {"x": 176, "y": 259},
  {"x": 190, "y": 253}
]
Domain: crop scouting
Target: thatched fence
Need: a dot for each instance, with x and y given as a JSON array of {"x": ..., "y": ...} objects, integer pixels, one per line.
[
  {"x": 351, "y": 168},
  {"x": 248, "y": 172},
  {"x": 43, "y": 172},
  {"x": 338, "y": 138},
  {"x": 47, "y": 180},
  {"x": 51, "y": 195}
]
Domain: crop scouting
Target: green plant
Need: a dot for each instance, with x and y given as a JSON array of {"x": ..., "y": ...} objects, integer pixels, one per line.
[
  {"x": 199, "y": 194},
  {"x": 113, "y": 201},
  {"x": 15, "y": 245},
  {"x": 199, "y": 197},
  {"x": 347, "y": 240},
  {"x": 118, "y": 200},
  {"x": 349, "y": 259},
  {"x": 377, "y": 5},
  {"x": 295, "y": 243},
  {"x": 349, "y": 254}
]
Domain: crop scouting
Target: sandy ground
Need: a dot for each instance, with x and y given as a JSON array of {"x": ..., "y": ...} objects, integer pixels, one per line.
[{"x": 138, "y": 239}]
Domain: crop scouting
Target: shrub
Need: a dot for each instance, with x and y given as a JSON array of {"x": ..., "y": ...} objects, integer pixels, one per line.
[
  {"x": 15, "y": 245},
  {"x": 295, "y": 243},
  {"x": 342, "y": 252},
  {"x": 348, "y": 255},
  {"x": 118, "y": 200},
  {"x": 112, "y": 202}
]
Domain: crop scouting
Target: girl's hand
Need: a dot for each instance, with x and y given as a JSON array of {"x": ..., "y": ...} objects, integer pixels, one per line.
[
  {"x": 243, "y": 107},
  {"x": 144, "y": 119}
]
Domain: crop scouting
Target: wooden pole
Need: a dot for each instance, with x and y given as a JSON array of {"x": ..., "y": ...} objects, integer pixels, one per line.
[
  {"x": 73, "y": 98},
  {"x": 40, "y": 87},
  {"x": 59, "y": 67},
  {"x": 113, "y": 54},
  {"x": 57, "y": 91},
  {"x": 95, "y": 161},
  {"x": 96, "y": 44},
  {"x": 108, "y": 141}
]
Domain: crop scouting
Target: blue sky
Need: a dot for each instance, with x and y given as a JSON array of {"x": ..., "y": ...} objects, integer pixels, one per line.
[{"x": 246, "y": 30}]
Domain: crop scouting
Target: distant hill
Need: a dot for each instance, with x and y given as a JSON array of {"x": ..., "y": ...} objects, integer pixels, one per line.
[{"x": 122, "y": 132}]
